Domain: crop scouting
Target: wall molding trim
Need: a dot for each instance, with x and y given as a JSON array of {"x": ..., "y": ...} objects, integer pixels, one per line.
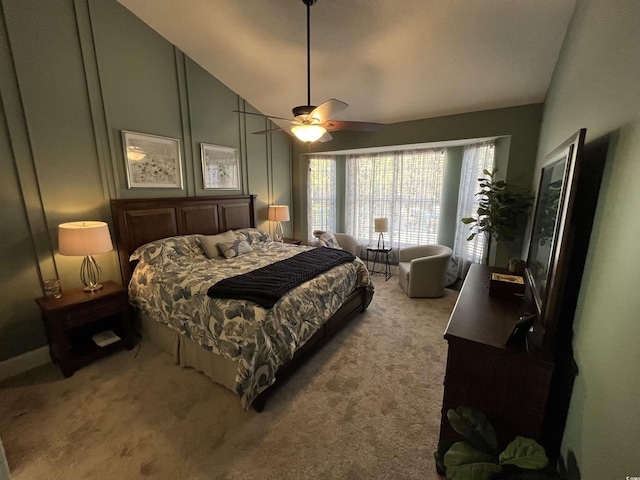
[{"x": 22, "y": 363}]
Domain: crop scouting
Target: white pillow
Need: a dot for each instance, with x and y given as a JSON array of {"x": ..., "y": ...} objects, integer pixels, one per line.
[{"x": 210, "y": 242}]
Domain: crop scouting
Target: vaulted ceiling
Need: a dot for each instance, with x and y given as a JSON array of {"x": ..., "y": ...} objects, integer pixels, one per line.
[{"x": 390, "y": 60}]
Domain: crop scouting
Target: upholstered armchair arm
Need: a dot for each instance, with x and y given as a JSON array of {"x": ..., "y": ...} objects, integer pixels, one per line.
[
  {"x": 434, "y": 265},
  {"x": 349, "y": 243},
  {"x": 410, "y": 253}
]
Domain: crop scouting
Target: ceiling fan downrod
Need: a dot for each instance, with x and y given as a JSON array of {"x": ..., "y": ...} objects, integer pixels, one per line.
[{"x": 305, "y": 110}]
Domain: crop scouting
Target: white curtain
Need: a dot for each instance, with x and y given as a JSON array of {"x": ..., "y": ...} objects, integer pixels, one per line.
[
  {"x": 321, "y": 195},
  {"x": 403, "y": 186},
  {"x": 476, "y": 159}
]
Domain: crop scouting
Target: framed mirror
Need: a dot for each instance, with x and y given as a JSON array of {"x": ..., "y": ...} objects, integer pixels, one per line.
[{"x": 550, "y": 240}]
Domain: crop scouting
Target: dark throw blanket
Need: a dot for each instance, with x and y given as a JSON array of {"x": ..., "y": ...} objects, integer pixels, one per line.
[{"x": 266, "y": 285}]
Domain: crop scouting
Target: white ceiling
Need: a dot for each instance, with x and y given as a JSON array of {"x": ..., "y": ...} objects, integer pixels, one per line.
[{"x": 390, "y": 60}]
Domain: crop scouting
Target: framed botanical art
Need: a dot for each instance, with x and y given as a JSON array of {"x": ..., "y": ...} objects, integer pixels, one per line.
[
  {"x": 219, "y": 167},
  {"x": 152, "y": 161}
]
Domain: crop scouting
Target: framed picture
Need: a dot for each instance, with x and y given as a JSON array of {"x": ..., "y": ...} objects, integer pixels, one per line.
[
  {"x": 219, "y": 167},
  {"x": 152, "y": 161}
]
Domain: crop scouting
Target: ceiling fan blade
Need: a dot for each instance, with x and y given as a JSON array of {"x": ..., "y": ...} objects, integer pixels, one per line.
[
  {"x": 271, "y": 130},
  {"x": 325, "y": 138},
  {"x": 334, "y": 125},
  {"x": 328, "y": 110},
  {"x": 260, "y": 114}
]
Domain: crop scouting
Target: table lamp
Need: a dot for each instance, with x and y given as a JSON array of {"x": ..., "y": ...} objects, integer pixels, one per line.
[
  {"x": 381, "y": 225},
  {"x": 85, "y": 239},
  {"x": 279, "y": 213}
]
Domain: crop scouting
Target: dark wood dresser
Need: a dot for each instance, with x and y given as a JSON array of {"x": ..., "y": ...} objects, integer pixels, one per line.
[{"x": 510, "y": 385}]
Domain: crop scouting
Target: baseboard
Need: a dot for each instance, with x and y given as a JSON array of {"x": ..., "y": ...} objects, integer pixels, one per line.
[{"x": 22, "y": 363}]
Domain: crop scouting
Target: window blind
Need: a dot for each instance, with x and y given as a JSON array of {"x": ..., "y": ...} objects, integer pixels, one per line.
[
  {"x": 321, "y": 194},
  {"x": 403, "y": 186}
]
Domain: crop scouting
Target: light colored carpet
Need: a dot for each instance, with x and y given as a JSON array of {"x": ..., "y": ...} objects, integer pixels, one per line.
[{"x": 366, "y": 406}]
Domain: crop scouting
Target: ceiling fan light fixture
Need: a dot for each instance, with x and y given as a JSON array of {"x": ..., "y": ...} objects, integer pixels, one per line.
[{"x": 308, "y": 133}]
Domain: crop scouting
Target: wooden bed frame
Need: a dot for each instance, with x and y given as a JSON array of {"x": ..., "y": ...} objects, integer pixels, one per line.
[{"x": 139, "y": 221}]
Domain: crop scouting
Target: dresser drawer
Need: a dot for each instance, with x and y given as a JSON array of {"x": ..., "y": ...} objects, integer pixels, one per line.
[{"x": 94, "y": 310}]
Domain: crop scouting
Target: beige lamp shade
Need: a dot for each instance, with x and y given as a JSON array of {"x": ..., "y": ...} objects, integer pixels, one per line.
[
  {"x": 278, "y": 213},
  {"x": 381, "y": 224},
  {"x": 84, "y": 238}
]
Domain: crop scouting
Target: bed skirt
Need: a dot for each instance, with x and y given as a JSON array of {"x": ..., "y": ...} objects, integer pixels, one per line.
[{"x": 188, "y": 353}]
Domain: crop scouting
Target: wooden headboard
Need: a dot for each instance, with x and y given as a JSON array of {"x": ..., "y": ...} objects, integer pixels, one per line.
[{"x": 143, "y": 220}]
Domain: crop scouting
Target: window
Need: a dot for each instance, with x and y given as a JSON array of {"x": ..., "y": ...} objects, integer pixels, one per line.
[
  {"x": 404, "y": 186},
  {"x": 476, "y": 159},
  {"x": 321, "y": 191}
]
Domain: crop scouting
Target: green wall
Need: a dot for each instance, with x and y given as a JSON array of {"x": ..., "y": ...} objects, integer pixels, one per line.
[
  {"x": 74, "y": 74},
  {"x": 515, "y": 154},
  {"x": 595, "y": 86}
]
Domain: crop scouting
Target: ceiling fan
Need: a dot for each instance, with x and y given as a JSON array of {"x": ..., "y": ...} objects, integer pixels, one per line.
[{"x": 311, "y": 123}]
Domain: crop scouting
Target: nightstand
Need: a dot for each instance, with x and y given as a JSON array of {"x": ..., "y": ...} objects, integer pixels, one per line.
[
  {"x": 292, "y": 241},
  {"x": 380, "y": 255},
  {"x": 73, "y": 319}
]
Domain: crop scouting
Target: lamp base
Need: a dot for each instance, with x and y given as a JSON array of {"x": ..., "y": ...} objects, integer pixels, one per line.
[
  {"x": 90, "y": 274},
  {"x": 279, "y": 232},
  {"x": 381, "y": 242}
]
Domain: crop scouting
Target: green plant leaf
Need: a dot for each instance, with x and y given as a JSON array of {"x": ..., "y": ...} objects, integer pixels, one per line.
[
  {"x": 438, "y": 455},
  {"x": 524, "y": 453},
  {"x": 471, "y": 237},
  {"x": 474, "y": 426},
  {"x": 463, "y": 462},
  {"x": 467, "y": 220}
]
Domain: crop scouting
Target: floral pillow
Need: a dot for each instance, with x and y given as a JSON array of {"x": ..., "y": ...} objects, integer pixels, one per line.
[
  {"x": 326, "y": 239},
  {"x": 252, "y": 235},
  {"x": 166, "y": 249},
  {"x": 235, "y": 248}
]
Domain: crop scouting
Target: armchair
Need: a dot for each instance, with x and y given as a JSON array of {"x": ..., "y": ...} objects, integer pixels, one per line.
[
  {"x": 423, "y": 270},
  {"x": 345, "y": 241}
]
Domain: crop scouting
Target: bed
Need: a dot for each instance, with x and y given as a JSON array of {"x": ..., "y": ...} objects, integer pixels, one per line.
[{"x": 248, "y": 348}]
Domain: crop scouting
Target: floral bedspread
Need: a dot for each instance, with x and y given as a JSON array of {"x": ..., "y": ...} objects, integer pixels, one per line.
[{"x": 170, "y": 285}]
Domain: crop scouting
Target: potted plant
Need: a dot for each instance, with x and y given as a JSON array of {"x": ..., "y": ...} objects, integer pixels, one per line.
[
  {"x": 499, "y": 212},
  {"x": 480, "y": 457}
]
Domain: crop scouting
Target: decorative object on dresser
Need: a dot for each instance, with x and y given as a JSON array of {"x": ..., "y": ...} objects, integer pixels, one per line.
[
  {"x": 220, "y": 170},
  {"x": 381, "y": 226},
  {"x": 145, "y": 228},
  {"x": 72, "y": 321},
  {"x": 85, "y": 239},
  {"x": 152, "y": 161},
  {"x": 506, "y": 285},
  {"x": 279, "y": 214}
]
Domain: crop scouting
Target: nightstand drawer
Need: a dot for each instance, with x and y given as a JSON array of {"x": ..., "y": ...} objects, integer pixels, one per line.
[{"x": 94, "y": 310}]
